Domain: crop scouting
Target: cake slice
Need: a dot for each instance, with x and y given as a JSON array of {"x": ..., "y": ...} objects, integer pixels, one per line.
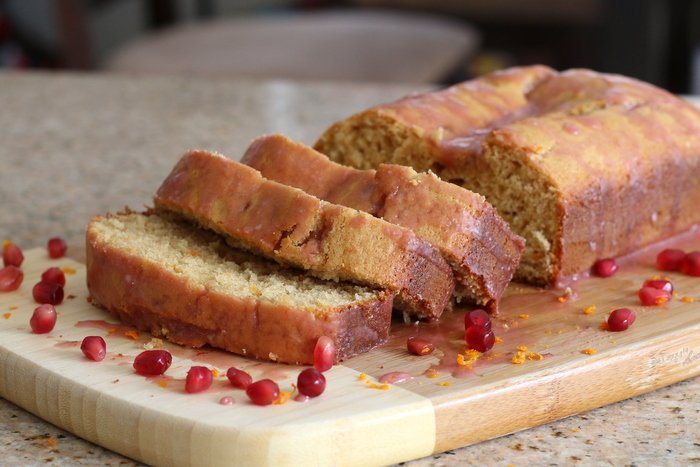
[
  {"x": 297, "y": 229},
  {"x": 475, "y": 241},
  {"x": 185, "y": 284},
  {"x": 583, "y": 165}
]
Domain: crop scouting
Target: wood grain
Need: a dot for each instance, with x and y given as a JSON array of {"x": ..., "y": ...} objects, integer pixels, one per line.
[{"x": 155, "y": 421}]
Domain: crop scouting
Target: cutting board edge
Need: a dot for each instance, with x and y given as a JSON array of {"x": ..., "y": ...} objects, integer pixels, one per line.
[{"x": 648, "y": 367}]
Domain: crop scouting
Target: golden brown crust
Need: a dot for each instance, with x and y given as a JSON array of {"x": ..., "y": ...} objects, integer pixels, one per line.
[
  {"x": 295, "y": 228},
  {"x": 141, "y": 292},
  {"x": 618, "y": 157},
  {"x": 476, "y": 242}
]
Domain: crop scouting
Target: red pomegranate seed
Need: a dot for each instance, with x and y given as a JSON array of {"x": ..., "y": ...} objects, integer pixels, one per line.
[
  {"x": 604, "y": 267},
  {"x": 477, "y": 317},
  {"x": 48, "y": 292},
  {"x": 649, "y": 296},
  {"x": 311, "y": 382},
  {"x": 621, "y": 319},
  {"x": 263, "y": 392},
  {"x": 11, "y": 278},
  {"x": 43, "y": 319},
  {"x": 57, "y": 247},
  {"x": 661, "y": 284},
  {"x": 324, "y": 353},
  {"x": 691, "y": 264},
  {"x": 199, "y": 378},
  {"x": 54, "y": 275},
  {"x": 152, "y": 362},
  {"x": 418, "y": 346},
  {"x": 670, "y": 259},
  {"x": 238, "y": 378},
  {"x": 94, "y": 348},
  {"x": 479, "y": 338},
  {"x": 12, "y": 254}
]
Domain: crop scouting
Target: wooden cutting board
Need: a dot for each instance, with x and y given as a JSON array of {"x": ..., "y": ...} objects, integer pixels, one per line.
[{"x": 358, "y": 420}]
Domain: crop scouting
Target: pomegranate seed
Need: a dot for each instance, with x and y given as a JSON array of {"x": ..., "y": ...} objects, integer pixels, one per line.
[
  {"x": 691, "y": 264},
  {"x": 604, "y": 267},
  {"x": 670, "y": 259},
  {"x": 199, "y": 379},
  {"x": 239, "y": 378},
  {"x": 479, "y": 338},
  {"x": 477, "y": 317},
  {"x": 11, "y": 278},
  {"x": 324, "y": 353},
  {"x": 660, "y": 284},
  {"x": 54, "y": 275},
  {"x": 621, "y": 319},
  {"x": 418, "y": 346},
  {"x": 311, "y": 382},
  {"x": 649, "y": 296},
  {"x": 48, "y": 292},
  {"x": 152, "y": 362},
  {"x": 43, "y": 319},
  {"x": 94, "y": 348},
  {"x": 57, "y": 247},
  {"x": 12, "y": 254},
  {"x": 263, "y": 392}
]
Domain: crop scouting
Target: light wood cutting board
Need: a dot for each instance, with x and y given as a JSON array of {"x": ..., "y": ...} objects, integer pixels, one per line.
[{"x": 357, "y": 421}]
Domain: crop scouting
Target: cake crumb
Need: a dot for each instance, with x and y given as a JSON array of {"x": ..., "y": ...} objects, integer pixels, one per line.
[{"x": 154, "y": 343}]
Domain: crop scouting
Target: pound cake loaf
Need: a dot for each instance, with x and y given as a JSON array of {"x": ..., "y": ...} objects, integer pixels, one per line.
[
  {"x": 583, "y": 165},
  {"x": 185, "y": 284},
  {"x": 297, "y": 229},
  {"x": 474, "y": 240}
]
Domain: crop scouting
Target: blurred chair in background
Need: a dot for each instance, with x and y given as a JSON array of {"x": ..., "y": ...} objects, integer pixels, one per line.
[{"x": 350, "y": 45}]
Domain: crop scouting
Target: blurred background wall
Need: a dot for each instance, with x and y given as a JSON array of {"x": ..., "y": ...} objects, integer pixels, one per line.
[{"x": 437, "y": 41}]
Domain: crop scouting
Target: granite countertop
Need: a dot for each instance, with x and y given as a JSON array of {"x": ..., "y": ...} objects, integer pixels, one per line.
[{"x": 72, "y": 146}]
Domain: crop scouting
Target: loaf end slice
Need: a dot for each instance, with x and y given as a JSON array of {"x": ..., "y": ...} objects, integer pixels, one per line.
[
  {"x": 294, "y": 228},
  {"x": 180, "y": 282}
]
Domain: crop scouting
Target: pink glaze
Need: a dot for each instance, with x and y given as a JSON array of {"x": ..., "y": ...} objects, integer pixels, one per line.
[
  {"x": 395, "y": 377},
  {"x": 301, "y": 398},
  {"x": 227, "y": 400},
  {"x": 67, "y": 344}
]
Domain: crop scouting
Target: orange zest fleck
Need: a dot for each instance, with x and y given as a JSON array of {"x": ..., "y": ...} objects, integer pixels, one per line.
[
  {"x": 51, "y": 442},
  {"x": 522, "y": 348},
  {"x": 498, "y": 340},
  {"x": 661, "y": 300},
  {"x": 444, "y": 383},
  {"x": 6, "y": 315},
  {"x": 524, "y": 316},
  {"x": 111, "y": 331},
  {"x": 215, "y": 373},
  {"x": 687, "y": 299},
  {"x": 432, "y": 374},
  {"x": 534, "y": 356},
  {"x": 589, "y": 310},
  {"x": 674, "y": 294},
  {"x": 283, "y": 398},
  {"x": 13, "y": 307},
  {"x": 68, "y": 270},
  {"x": 163, "y": 383},
  {"x": 589, "y": 351},
  {"x": 6, "y": 243},
  {"x": 362, "y": 377},
  {"x": 603, "y": 326},
  {"x": 561, "y": 299},
  {"x": 518, "y": 358},
  {"x": 133, "y": 335},
  {"x": 382, "y": 386},
  {"x": 469, "y": 357}
]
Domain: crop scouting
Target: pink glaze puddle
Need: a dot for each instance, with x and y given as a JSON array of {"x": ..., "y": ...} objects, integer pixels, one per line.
[
  {"x": 301, "y": 398},
  {"x": 67, "y": 344},
  {"x": 395, "y": 377}
]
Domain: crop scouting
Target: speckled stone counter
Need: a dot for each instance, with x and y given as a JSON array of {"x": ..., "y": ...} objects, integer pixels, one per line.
[{"x": 72, "y": 146}]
